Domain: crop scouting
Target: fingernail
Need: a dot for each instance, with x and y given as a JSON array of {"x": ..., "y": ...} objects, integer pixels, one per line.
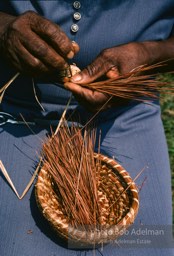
[
  {"x": 73, "y": 42},
  {"x": 75, "y": 46},
  {"x": 70, "y": 55},
  {"x": 76, "y": 78}
]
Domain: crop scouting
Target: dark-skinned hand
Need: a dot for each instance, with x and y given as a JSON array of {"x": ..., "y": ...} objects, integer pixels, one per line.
[
  {"x": 35, "y": 45},
  {"x": 110, "y": 63}
]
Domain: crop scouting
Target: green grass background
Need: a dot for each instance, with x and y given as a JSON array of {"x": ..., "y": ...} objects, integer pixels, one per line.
[{"x": 167, "y": 107}]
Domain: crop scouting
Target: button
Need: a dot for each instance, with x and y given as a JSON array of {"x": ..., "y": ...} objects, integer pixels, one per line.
[
  {"x": 77, "y": 16},
  {"x": 74, "y": 28},
  {"x": 77, "y": 5}
]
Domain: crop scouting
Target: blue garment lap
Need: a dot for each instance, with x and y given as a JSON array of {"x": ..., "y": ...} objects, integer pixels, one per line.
[{"x": 134, "y": 136}]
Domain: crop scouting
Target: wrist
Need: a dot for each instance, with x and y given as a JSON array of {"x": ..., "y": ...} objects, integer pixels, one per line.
[{"x": 159, "y": 50}]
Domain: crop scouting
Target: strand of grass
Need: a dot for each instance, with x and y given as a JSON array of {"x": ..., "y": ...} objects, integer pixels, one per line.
[
  {"x": 35, "y": 95},
  {"x": 29, "y": 127},
  {"x": 4, "y": 88},
  {"x": 94, "y": 188},
  {"x": 63, "y": 115},
  {"x": 80, "y": 168},
  {"x": 6, "y": 175},
  {"x": 32, "y": 179},
  {"x": 93, "y": 117},
  {"x": 124, "y": 191}
]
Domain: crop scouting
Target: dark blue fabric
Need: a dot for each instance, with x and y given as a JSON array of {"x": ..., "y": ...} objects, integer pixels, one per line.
[{"x": 132, "y": 134}]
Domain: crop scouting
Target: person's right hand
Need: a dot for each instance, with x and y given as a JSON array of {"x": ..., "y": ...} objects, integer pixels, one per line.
[{"x": 35, "y": 45}]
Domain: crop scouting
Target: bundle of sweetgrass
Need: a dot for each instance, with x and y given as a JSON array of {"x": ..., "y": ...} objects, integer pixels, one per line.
[{"x": 142, "y": 83}]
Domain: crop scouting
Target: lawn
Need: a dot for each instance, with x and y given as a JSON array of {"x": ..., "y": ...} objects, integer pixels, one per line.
[{"x": 167, "y": 106}]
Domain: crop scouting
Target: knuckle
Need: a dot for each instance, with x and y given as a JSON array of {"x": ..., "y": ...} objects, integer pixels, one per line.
[
  {"x": 34, "y": 63},
  {"x": 92, "y": 69},
  {"x": 65, "y": 43},
  {"x": 41, "y": 50},
  {"x": 102, "y": 63},
  {"x": 15, "y": 25},
  {"x": 105, "y": 54},
  {"x": 60, "y": 40},
  {"x": 108, "y": 59},
  {"x": 109, "y": 55},
  {"x": 30, "y": 17},
  {"x": 46, "y": 26},
  {"x": 29, "y": 14},
  {"x": 59, "y": 64},
  {"x": 52, "y": 29},
  {"x": 40, "y": 68},
  {"x": 99, "y": 67},
  {"x": 34, "y": 66},
  {"x": 23, "y": 21},
  {"x": 58, "y": 37}
]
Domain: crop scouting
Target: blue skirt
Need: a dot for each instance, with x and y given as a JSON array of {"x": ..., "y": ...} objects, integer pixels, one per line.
[{"x": 133, "y": 135}]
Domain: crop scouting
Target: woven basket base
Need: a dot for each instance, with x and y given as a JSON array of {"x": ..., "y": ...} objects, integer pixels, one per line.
[{"x": 122, "y": 194}]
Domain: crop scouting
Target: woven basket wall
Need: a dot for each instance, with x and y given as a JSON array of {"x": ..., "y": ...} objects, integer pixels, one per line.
[{"x": 118, "y": 197}]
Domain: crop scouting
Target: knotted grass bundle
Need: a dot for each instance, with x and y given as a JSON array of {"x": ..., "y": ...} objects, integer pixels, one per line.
[{"x": 87, "y": 198}]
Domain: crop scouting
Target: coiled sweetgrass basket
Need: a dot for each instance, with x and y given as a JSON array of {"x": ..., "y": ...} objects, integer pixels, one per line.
[{"x": 118, "y": 197}]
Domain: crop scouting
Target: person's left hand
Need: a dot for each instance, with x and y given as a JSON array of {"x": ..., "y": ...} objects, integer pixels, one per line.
[{"x": 110, "y": 63}]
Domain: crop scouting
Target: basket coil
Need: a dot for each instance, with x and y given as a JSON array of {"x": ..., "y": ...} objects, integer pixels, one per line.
[{"x": 118, "y": 199}]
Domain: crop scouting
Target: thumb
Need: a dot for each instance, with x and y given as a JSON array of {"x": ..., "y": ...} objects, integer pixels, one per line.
[{"x": 96, "y": 69}]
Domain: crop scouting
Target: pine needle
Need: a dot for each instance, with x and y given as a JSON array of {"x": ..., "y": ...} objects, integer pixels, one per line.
[
  {"x": 4, "y": 88},
  {"x": 10, "y": 182},
  {"x": 135, "y": 85},
  {"x": 35, "y": 95}
]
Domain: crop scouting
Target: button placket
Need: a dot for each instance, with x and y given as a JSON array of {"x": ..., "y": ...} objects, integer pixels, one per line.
[{"x": 76, "y": 16}]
